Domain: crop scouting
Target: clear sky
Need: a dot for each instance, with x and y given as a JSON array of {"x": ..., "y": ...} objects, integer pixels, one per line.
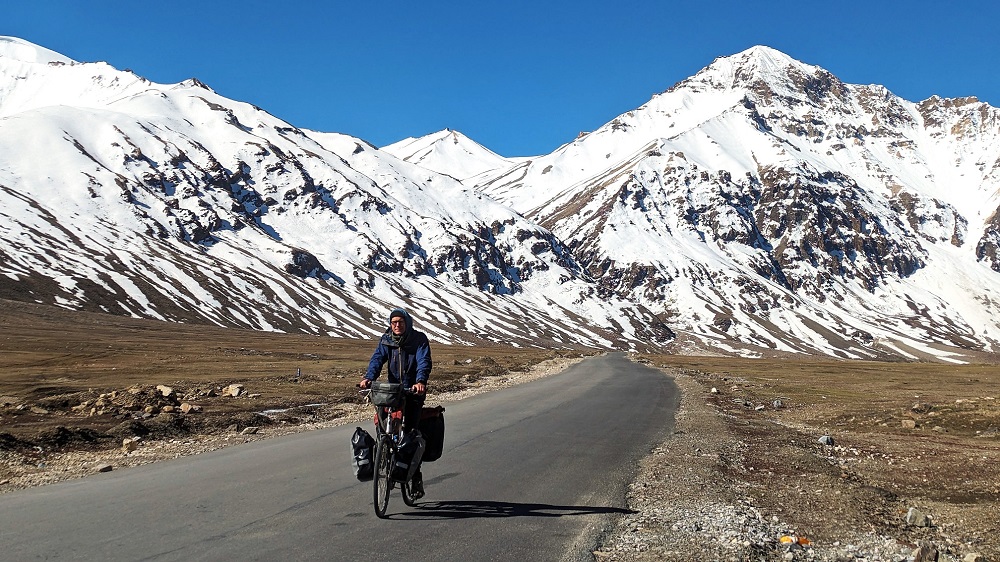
[{"x": 520, "y": 77}]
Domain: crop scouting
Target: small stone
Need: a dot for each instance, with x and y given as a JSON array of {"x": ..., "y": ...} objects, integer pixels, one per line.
[
  {"x": 826, "y": 440},
  {"x": 130, "y": 444},
  {"x": 37, "y": 410},
  {"x": 104, "y": 468},
  {"x": 916, "y": 518},
  {"x": 926, "y": 553},
  {"x": 233, "y": 390},
  {"x": 165, "y": 390},
  {"x": 715, "y": 390},
  {"x": 970, "y": 557},
  {"x": 250, "y": 430},
  {"x": 190, "y": 408},
  {"x": 777, "y": 404},
  {"x": 909, "y": 424},
  {"x": 168, "y": 409}
]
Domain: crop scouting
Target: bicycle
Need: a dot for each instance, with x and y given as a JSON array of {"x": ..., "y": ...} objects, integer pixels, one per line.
[{"x": 389, "y": 467}]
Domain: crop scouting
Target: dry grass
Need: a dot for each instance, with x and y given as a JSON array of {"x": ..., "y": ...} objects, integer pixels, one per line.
[{"x": 54, "y": 359}]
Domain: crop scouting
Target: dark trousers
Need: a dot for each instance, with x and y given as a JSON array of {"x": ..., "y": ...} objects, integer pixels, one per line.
[{"x": 411, "y": 412}]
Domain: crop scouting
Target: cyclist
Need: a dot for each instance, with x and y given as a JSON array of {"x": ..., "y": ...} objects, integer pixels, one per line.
[{"x": 408, "y": 353}]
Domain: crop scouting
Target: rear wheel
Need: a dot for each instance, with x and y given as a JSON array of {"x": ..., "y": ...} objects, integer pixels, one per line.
[
  {"x": 383, "y": 457},
  {"x": 407, "y": 498}
]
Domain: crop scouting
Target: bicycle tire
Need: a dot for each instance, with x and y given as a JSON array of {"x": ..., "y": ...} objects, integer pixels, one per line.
[
  {"x": 383, "y": 459},
  {"x": 407, "y": 498}
]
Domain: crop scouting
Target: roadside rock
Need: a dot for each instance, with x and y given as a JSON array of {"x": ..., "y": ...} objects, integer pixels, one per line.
[
  {"x": 234, "y": 390},
  {"x": 916, "y": 518}
]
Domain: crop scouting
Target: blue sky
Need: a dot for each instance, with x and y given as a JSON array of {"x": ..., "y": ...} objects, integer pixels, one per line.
[{"x": 519, "y": 77}]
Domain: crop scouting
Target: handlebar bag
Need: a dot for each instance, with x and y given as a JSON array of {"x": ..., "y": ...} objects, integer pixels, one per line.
[{"x": 388, "y": 394}]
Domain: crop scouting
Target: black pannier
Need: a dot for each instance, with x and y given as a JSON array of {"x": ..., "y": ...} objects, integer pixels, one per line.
[
  {"x": 408, "y": 456},
  {"x": 432, "y": 428},
  {"x": 362, "y": 451}
]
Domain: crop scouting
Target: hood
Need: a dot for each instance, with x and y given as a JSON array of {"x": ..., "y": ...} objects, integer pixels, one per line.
[{"x": 406, "y": 318}]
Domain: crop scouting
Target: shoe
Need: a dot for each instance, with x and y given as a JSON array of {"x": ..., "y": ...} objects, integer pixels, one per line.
[{"x": 417, "y": 486}]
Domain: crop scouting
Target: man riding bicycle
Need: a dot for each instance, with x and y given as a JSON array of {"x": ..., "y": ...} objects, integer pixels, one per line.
[{"x": 408, "y": 353}]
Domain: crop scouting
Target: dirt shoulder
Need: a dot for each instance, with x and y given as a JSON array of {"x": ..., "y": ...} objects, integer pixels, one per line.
[{"x": 745, "y": 475}]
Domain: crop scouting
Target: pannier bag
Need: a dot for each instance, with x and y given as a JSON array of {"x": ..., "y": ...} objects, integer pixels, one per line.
[
  {"x": 387, "y": 394},
  {"x": 408, "y": 456},
  {"x": 362, "y": 451},
  {"x": 432, "y": 428}
]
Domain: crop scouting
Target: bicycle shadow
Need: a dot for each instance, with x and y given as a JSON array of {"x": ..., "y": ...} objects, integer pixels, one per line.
[{"x": 470, "y": 509}]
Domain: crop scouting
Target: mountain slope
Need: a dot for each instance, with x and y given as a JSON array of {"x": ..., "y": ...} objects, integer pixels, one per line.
[
  {"x": 764, "y": 201},
  {"x": 172, "y": 202}
]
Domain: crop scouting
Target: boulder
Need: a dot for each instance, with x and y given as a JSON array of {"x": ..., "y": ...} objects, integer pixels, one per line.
[{"x": 165, "y": 391}]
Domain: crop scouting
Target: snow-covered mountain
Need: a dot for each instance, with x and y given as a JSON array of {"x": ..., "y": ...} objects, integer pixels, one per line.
[
  {"x": 764, "y": 201},
  {"x": 172, "y": 202},
  {"x": 451, "y": 153},
  {"x": 760, "y": 205}
]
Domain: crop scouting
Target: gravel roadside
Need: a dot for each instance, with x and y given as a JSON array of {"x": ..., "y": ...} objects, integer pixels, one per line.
[{"x": 695, "y": 500}]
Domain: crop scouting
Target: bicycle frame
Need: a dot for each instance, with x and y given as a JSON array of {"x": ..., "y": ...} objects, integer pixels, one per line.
[{"x": 388, "y": 435}]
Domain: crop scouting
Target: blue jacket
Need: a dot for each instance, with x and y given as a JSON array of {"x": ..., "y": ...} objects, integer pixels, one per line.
[{"x": 409, "y": 360}]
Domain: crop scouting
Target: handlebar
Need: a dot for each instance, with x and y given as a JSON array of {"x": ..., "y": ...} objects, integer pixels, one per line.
[
  {"x": 364, "y": 391},
  {"x": 406, "y": 390}
]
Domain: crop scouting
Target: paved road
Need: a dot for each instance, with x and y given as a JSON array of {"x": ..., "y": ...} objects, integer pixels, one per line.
[{"x": 530, "y": 473}]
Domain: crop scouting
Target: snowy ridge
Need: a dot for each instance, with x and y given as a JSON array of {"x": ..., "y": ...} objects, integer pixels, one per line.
[{"x": 760, "y": 206}]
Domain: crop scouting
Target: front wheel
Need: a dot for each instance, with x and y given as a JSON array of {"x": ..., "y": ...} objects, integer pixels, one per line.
[{"x": 383, "y": 466}]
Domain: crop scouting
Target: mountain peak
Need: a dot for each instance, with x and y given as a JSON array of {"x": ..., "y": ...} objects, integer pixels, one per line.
[
  {"x": 448, "y": 152},
  {"x": 751, "y": 67},
  {"x": 24, "y": 51}
]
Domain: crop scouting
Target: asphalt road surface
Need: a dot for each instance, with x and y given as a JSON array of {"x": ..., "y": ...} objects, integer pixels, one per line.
[{"x": 535, "y": 472}]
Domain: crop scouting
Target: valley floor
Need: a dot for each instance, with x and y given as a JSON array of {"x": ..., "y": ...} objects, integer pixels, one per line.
[{"x": 743, "y": 477}]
